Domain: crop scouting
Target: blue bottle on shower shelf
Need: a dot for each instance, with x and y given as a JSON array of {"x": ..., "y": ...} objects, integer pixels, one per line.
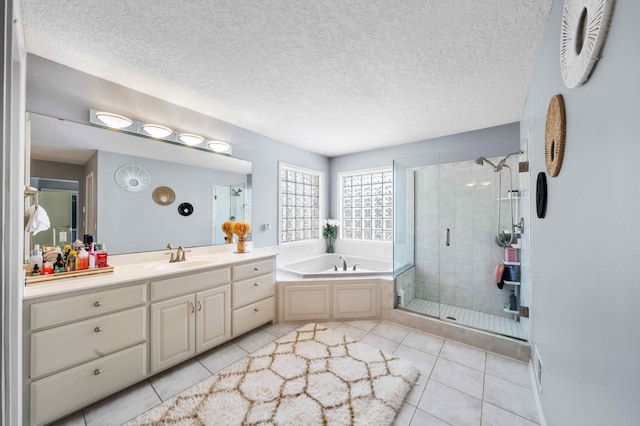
[
  {"x": 513, "y": 303},
  {"x": 513, "y": 272}
]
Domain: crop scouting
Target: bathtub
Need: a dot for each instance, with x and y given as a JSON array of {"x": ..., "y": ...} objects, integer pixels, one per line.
[{"x": 324, "y": 266}]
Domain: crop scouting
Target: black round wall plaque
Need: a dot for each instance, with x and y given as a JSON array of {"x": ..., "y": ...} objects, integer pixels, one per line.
[
  {"x": 185, "y": 209},
  {"x": 541, "y": 195}
]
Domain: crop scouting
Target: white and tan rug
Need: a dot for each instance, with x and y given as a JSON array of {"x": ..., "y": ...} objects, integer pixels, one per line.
[{"x": 310, "y": 376}]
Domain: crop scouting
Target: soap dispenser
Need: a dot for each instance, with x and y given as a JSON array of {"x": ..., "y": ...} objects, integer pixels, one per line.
[
  {"x": 36, "y": 258},
  {"x": 83, "y": 259}
]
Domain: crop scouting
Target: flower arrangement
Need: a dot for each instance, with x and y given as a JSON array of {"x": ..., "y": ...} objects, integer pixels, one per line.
[
  {"x": 330, "y": 232},
  {"x": 241, "y": 229}
]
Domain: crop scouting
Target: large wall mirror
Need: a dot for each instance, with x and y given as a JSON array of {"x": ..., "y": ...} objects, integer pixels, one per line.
[{"x": 132, "y": 193}]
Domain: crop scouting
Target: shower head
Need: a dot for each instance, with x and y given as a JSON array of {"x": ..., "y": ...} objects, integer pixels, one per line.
[{"x": 481, "y": 160}]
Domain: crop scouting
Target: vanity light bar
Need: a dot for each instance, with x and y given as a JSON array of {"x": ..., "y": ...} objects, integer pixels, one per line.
[{"x": 121, "y": 123}]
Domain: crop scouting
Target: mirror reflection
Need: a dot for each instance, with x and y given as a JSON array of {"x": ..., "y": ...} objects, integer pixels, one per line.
[{"x": 100, "y": 182}]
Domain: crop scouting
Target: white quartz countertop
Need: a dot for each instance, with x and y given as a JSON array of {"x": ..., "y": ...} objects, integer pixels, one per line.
[{"x": 144, "y": 267}]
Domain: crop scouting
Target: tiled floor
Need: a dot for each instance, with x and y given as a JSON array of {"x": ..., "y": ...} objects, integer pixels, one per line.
[
  {"x": 458, "y": 385},
  {"x": 468, "y": 317}
]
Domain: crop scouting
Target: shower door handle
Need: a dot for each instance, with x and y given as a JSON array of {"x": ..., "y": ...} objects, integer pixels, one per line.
[{"x": 447, "y": 237}]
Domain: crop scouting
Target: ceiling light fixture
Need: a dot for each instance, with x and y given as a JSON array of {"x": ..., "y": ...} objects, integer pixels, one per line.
[
  {"x": 121, "y": 123},
  {"x": 116, "y": 121},
  {"x": 190, "y": 139},
  {"x": 218, "y": 146},
  {"x": 156, "y": 130}
]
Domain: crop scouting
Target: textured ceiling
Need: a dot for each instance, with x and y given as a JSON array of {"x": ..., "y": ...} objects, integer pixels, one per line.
[{"x": 329, "y": 76}]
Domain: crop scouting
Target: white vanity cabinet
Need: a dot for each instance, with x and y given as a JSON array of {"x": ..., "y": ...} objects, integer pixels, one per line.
[
  {"x": 253, "y": 295},
  {"x": 85, "y": 347},
  {"x": 83, "y": 344},
  {"x": 194, "y": 322}
]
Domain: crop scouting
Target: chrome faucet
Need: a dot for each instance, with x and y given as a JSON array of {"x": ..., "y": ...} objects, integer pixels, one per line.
[
  {"x": 344, "y": 263},
  {"x": 179, "y": 254}
]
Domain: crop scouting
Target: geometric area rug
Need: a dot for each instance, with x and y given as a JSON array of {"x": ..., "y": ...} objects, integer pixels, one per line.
[{"x": 310, "y": 376}]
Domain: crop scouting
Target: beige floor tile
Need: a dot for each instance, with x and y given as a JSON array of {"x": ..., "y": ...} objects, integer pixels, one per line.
[
  {"x": 390, "y": 331},
  {"x": 75, "y": 419},
  {"x": 404, "y": 416},
  {"x": 254, "y": 340},
  {"x": 463, "y": 354},
  {"x": 385, "y": 345},
  {"x": 123, "y": 406},
  {"x": 511, "y": 397},
  {"x": 421, "y": 360},
  {"x": 423, "y": 341},
  {"x": 459, "y": 377},
  {"x": 179, "y": 378},
  {"x": 222, "y": 356},
  {"x": 366, "y": 325},
  {"x": 450, "y": 405},
  {"x": 494, "y": 416},
  {"x": 279, "y": 330},
  {"x": 421, "y": 418},
  {"x": 509, "y": 369}
]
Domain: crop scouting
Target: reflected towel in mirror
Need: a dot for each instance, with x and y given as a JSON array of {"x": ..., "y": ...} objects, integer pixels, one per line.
[{"x": 36, "y": 219}]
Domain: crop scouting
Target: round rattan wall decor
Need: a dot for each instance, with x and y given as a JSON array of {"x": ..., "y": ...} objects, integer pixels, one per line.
[
  {"x": 585, "y": 24},
  {"x": 163, "y": 195},
  {"x": 555, "y": 135},
  {"x": 541, "y": 195}
]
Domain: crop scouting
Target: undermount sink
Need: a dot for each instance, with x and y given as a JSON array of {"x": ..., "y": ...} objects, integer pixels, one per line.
[{"x": 185, "y": 264}]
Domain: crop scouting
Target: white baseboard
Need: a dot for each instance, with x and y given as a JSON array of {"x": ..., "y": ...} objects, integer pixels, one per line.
[{"x": 536, "y": 392}]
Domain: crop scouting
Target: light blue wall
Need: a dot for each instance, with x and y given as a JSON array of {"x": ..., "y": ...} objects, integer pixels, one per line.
[
  {"x": 59, "y": 91},
  {"x": 494, "y": 141},
  {"x": 584, "y": 313}
]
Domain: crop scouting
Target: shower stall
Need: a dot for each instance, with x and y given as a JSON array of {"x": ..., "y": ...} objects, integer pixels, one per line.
[{"x": 453, "y": 221}]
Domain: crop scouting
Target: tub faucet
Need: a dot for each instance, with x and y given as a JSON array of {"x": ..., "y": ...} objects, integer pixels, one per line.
[{"x": 344, "y": 263}]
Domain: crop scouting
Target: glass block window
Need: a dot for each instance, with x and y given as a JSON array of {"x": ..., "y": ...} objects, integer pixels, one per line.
[
  {"x": 300, "y": 191},
  {"x": 367, "y": 205}
]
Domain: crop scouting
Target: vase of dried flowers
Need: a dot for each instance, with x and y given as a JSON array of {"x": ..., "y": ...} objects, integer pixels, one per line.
[
  {"x": 227, "y": 228},
  {"x": 241, "y": 229}
]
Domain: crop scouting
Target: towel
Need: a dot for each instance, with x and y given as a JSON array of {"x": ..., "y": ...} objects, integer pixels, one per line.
[{"x": 36, "y": 219}]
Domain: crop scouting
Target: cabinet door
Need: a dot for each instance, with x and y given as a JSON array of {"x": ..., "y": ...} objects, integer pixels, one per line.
[
  {"x": 172, "y": 331},
  {"x": 355, "y": 301},
  {"x": 307, "y": 302},
  {"x": 213, "y": 318}
]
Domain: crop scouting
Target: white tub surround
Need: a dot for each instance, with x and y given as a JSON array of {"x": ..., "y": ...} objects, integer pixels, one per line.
[
  {"x": 88, "y": 337},
  {"x": 337, "y": 265}
]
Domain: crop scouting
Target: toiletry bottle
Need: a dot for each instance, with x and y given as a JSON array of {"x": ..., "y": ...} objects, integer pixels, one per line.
[
  {"x": 36, "y": 258},
  {"x": 72, "y": 261},
  {"x": 47, "y": 268},
  {"x": 83, "y": 260},
  {"x": 66, "y": 251},
  {"x": 35, "y": 271},
  {"x": 59, "y": 266},
  {"x": 513, "y": 305},
  {"x": 101, "y": 260},
  {"x": 92, "y": 256}
]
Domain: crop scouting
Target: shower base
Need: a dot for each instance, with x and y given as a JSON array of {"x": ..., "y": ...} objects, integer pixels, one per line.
[{"x": 470, "y": 318}]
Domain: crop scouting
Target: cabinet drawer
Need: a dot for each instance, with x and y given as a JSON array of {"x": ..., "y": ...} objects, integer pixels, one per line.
[
  {"x": 253, "y": 269},
  {"x": 191, "y": 283},
  {"x": 252, "y": 290},
  {"x": 252, "y": 316},
  {"x": 69, "y": 390},
  {"x": 79, "y": 307},
  {"x": 72, "y": 344}
]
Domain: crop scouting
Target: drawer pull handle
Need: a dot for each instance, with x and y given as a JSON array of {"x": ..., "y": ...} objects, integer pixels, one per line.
[
  {"x": 97, "y": 372},
  {"x": 257, "y": 310},
  {"x": 256, "y": 284},
  {"x": 199, "y": 306},
  {"x": 97, "y": 304},
  {"x": 193, "y": 307},
  {"x": 97, "y": 329},
  {"x": 256, "y": 269}
]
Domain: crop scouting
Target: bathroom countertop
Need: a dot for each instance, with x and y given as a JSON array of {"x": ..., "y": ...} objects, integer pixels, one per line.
[{"x": 147, "y": 268}]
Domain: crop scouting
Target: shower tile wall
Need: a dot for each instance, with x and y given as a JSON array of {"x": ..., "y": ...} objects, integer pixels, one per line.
[{"x": 462, "y": 197}]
